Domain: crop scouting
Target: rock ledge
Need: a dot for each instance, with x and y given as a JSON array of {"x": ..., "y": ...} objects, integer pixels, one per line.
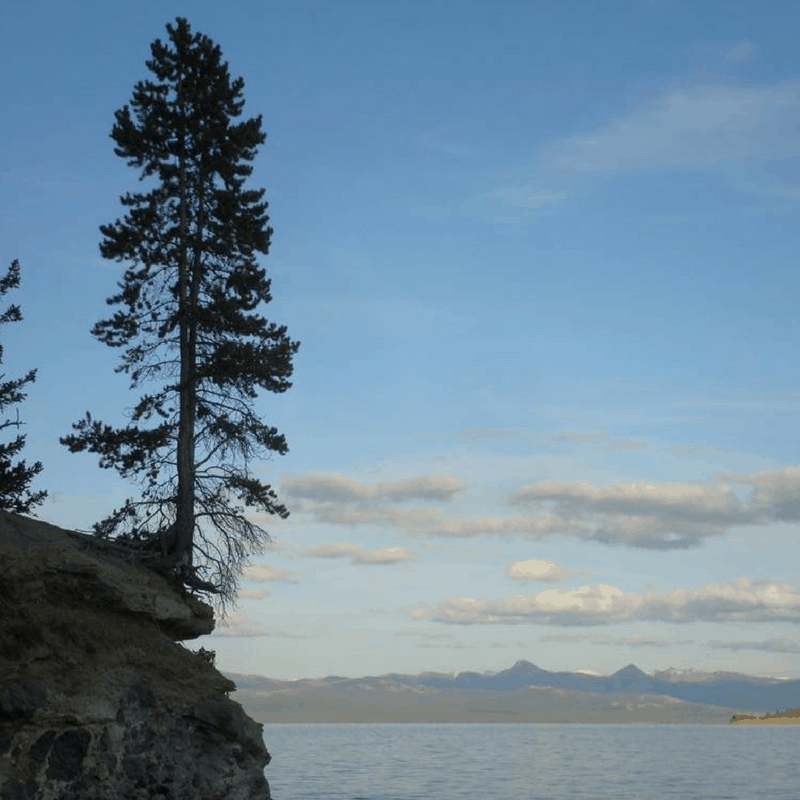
[{"x": 97, "y": 698}]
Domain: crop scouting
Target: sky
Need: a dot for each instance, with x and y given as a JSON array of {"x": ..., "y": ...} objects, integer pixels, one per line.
[{"x": 541, "y": 259}]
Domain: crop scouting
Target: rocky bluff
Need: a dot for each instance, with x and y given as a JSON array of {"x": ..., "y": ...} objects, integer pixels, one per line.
[{"x": 98, "y": 700}]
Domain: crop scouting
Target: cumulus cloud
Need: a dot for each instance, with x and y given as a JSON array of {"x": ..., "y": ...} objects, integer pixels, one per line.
[
  {"x": 322, "y": 487},
  {"x": 742, "y": 600},
  {"x": 635, "y": 641},
  {"x": 579, "y": 437},
  {"x": 386, "y": 555},
  {"x": 639, "y": 514},
  {"x": 252, "y": 594},
  {"x": 695, "y": 126},
  {"x": 342, "y": 514},
  {"x": 584, "y": 606},
  {"x": 770, "y": 645},
  {"x": 624, "y": 641},
  {"x": 477, "y": 432},
  {"x": 776, "y": 491},
  {"x": 537, "y": 570},
  {"x": 261, "y": 574},
  {"x": 702, "y": 504},
  {"x": 648, "y": 532},
  {"x": 534, "y": 526},
  {"x": 337, "y": 500}
]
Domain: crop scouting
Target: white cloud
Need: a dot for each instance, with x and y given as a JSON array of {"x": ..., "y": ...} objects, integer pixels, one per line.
[
  {"x": 252, "y": 594},
  {"x": 740, "y": 52},
  {"x": 323, "y": 487},
  {"x": 693, "y": 503},
  {"x": 770, "y": 645},
  {"x": 342, "y": 514},
  {"x": 264, "y": 574},
  {"x": 635, "y": 641},
  {"x": 334, "y": 550},
  {"x": 700, "y": 125},
  {"x": 386, "y": 555},
  {"x": 537, "y": 570},
  {"x": 477, "y": 432},
  {"x": 778, "y": 491},
  {"x": 584, "y": 606},
  {"x": 536, "y": 526},
  {"x": 609, "y": 446},
  {"x": 637, "y": 514},
  {"x": 640, "y": 514},
  {"x": 649, "y": 532},
  {"x": 742, "y": 600}
]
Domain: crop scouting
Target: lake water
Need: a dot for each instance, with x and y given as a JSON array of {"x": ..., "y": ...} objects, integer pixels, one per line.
[{"x": 406, "y": 761}]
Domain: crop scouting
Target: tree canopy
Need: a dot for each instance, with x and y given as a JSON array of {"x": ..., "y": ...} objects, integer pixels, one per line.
[
  {"x": 15, "y": 478},
  {"x": 189, "y": 301}
]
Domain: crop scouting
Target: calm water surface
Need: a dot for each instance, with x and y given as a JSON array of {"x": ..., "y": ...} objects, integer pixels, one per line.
[{"x": 532, "y": 762}]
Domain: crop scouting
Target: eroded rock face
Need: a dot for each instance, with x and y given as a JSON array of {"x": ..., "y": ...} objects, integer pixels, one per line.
[{"x": 97, "y": 699}]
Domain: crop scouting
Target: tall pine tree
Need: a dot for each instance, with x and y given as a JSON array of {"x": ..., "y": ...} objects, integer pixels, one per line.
[
  {"x": 15, "y": 478},
  {"x": 189, "y": 300}
]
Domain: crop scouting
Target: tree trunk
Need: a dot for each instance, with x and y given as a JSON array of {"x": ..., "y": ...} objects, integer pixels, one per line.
[{"x": 184, "y": 523}]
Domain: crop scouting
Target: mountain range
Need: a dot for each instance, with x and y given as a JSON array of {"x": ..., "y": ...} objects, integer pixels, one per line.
[{"x": 524, "y": 693}]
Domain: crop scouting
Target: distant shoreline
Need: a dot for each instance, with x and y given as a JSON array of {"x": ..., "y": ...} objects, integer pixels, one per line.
[{"x": 791, "y": 717}]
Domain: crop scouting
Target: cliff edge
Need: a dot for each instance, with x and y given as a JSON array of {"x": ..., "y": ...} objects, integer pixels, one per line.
[{"x": 97, "y": 698}]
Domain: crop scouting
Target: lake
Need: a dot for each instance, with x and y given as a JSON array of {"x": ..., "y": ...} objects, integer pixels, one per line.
[{"x": 532, "y": 761}]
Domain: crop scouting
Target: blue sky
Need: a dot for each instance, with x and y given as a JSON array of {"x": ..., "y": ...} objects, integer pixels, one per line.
[{"x": 542, "y": 262}]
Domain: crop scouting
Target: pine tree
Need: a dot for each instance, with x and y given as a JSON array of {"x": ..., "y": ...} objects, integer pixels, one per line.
[
  {"x": 15, "y": 480},
  {"x": 190, "y": 294}
]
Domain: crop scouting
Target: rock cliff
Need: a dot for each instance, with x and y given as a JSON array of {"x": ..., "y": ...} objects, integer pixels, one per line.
[{"x": 98, "y": 700}]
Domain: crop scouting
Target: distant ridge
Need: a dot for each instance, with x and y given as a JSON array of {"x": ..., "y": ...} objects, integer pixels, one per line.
[
  {"x": 723, "y": 690},
  {"x": 632, "y": 672},
  {"x": 522, "y": 668}
]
